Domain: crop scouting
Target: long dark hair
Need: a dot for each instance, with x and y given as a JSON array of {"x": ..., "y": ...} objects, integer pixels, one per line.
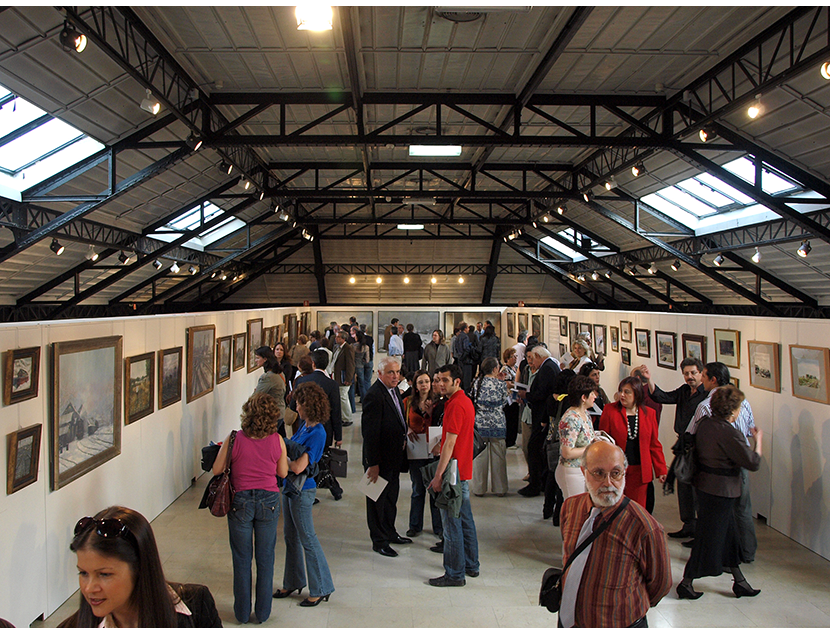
[
  {"x": 151, "y": 597},
  {"x": 271, "y": 364},
  {"x": 487, "y": 367}
]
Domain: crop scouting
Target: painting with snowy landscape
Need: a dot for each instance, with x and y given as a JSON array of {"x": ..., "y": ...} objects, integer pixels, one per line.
[{"x": 86, "y": 406}]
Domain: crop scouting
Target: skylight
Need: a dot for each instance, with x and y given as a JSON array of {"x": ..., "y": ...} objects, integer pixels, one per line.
[{"x": 192, "y": 219}]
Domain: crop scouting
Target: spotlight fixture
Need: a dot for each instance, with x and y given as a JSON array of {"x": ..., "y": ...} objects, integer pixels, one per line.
[
  {"x": 282, "y": 215},
  {"x": 633, "y": 270},
  {"x": 825, "y": 70},
  {"x": 707, "y": 133},
  {"x": 57, "y": 247},
  {"x": 193, "y": 142},
  {"x": 235, "y": 278},
  {"x": 247, "y": 184},
  {"x": 71, "y": 39},
  {"x": 91, "y": 254},
  {"x": 226, "y": 167},
  {"x": 460, "y": 279},
  {"x": 214, "y": 274},
  {"x": 123, "y": 258},
  {"x": 581, "y": 277},
  {"x": 718, "y": 260},
  {"x": 174, "y": 267},
  {"x": 675, "y": 265},
  {"x": 157, "y": 264},
  {"x": 755, "y": 108},
  {"x": 595, "y": 275},
  {"x": 261, "y": 195},
  {"x": 406, "y": 279},
  {"x": 608, "y": 274},
  {"x": 306, "y": 235},
  {"x": 638, "y": 169},
  {"x": 312, "y": 17},
  {"x": 586, "y": 197},
  {"x": 433, "y": 280},
  {"x": 804, "y": 249},
  {"x": 545, "y": 218},
  {"x": 756, "y": 257},
  {"x": 379, "y": 280},
  {"x": 652, "y": 268},
  {"x": 610, "y": 184},
  {"x": 534, "y": 224},
  {"x": 561, "y": 209},
  {"x": 352, "y": 280},
  {"x": 223, "y": 275},
  {"x": 193, "y": 270},
  {"x": 150, "y": 104}
]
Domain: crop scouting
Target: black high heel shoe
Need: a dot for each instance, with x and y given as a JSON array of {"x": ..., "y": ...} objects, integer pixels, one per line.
[
  {"x": 310, "y": 602},
  {"x": 687, "y": 592},
  {"x": 280, "y": 594},
  {"x": 743, "y": 590}
]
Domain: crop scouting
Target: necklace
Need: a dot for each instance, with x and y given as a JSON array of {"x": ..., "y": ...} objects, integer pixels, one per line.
[{"x": 636, "y": 432}]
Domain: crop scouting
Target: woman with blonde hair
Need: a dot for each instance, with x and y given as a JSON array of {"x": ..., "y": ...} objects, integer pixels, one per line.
[
  {"x": 579, "y": 355},
  {"x": 299, "y": 350}
]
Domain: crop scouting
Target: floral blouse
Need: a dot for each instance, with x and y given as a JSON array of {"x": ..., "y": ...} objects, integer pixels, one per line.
[
  {"x": 491, "y": 398},
  {"x": 574, "y": 432}
]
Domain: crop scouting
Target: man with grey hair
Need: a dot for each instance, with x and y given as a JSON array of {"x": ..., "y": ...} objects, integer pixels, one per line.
[{"x": 627, "y": 569}]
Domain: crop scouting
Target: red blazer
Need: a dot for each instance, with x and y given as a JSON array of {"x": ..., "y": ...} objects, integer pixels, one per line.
[{"x": 615, "y": 423}]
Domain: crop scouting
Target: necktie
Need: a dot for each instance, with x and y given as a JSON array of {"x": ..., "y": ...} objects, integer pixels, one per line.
[
  {"x": 567, "y": 610},
  {"x": 397, "y": 404}
]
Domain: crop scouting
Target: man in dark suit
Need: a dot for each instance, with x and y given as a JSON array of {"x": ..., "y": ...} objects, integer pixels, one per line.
[
  {"x": 384, "y": 454},
  {"x": 341, "y": 369},
  {"x": 546, "y": 369}
]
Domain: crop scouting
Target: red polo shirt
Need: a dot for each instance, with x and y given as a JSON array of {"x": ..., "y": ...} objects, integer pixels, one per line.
[{"x": 459, "y": 419}]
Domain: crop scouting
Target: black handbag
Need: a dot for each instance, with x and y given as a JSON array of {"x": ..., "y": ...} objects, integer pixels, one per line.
[
  {"x": 339, "y": 462},
  {"x": 209, "y": 454},
  {"x": 218, "y": 496},
  {"x": 550, "y": 595},
  {"x": 479, "y": 444},
  {"x": 685, "y": 463}
]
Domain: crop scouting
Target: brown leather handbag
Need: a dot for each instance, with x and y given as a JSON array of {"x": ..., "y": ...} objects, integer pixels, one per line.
[{"x": 219, "y": 492}]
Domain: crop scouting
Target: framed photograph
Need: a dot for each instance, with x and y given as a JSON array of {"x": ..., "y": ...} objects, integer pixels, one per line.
[
  {"x": 625, "y": 331},
  {"x": 223, "y": 358},
  {"x": 563, "y": 326},
  {"x": 694, "y": 346},
  {"x": 666, "y": 345},
  {"x": 170, "y": 376},
  {"x": 625, "y": 353},
  {"x": 735, "y": 382},
  {"x": 614, "y": 333},
  {"x": 239, "y": 351},
  {"x": 200, "y": 343},
  {"x": 573, "y": 333},
  {"x": 139, "y": 378},
  {"x": 599, "y": 339},
  {"x": 86, "y": 406},
  {"x": 21, "y": 375},
  {"x": 809, "y": 366},
  {"x": 584, "y": 327},
  {"x": 522, "y": 325},
  {"x": 764, "y": 365},
  {"x": 537, "y": 326},
  {"x": 23, "y": 457},
  {"x": 643, "y": 342},
  {"x": 254, "y": 341},
  {"x": 562, "y": 349},
  {"x": 305, "y": 323},
  {"x": 292, "y": 327},
  {"x": 728, "y": 347},
  {"x": 511, "y": 324}
]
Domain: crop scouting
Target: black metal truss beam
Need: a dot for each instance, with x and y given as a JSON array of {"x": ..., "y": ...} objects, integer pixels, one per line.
[
  {"x": 319, "y": 269},
  {"x": 492, "y": 269},
  {"x": 348, "y": 27},
  {"x": 763, "y": 274},
  {"x": 427, "y": 270},
  {"x": 66, "y": 275},
  {"x": 672, "y": 282}
]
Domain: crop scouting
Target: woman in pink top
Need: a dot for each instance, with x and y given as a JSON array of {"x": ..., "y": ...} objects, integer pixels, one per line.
[{"x": 257, "y": 458}]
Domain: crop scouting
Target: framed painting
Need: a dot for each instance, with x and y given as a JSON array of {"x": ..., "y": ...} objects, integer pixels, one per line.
[
  {"x": 584, "y": 327},
  {"x": 23, "y": 457},
  {"x": 291, "y": 329},
  {"x": 537, "y": 327},
  {"x": 625, "y": 353},
  {"x": 511, "y": 325},
  {"x": 199, "y": 378},
  {"x": 809, "y": 366},
  {"x": 139, "y": 378},
  {"x": 254, "y": 332},
  {"x": 239, "y": 351},
  {"x": 223, "y": 358},
  {"x": 625, "y": 331},
  {"x": 573, "y": 333},
  {"x": 305, "y": 323},
  {"x": 562, "y": 350},
  {"x": 764, "y": 365},
  {"x": 728, "y": 347},
  {"x": 666, "y": 345},
  {"x": 170, "y": 376},
  {"x": 269, "y": 336},
  {"x": 614, "y": 334},
  {"x": 86, "y": 406},
  {"x": 735, "y": 382},
  {"x": 694, "y": 346},
  {"x": 21, "y": 375},
  {"x": 643, "y": 342},
  {"x": 522, "y": 325},
  {"x": 563, "y": 326},
  {"x": 599, "y": 339}
]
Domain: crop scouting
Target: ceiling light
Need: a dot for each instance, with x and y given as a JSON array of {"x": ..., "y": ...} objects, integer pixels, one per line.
[
  {"x": 638, "y": 169},
  {"x": 71, "y": 39},
  {"x": 825, "y": 70},
  {"x": 435, "y": 151},
  {"x": 306, "y": 235},
  {"x": 581, "y": 277},
  {"x": 755, "y": 108},
  {"x": 707, "y": 133},
  {"x": 718, "y": 260},
  {"x": 57, "y": 247},
  {"x": 406, "y": 279},
  {"x": 633, "y": 270},
  {"x": 756, "y": 257},
  {"x": 652, "y": 268},
  {"x": 214, "y": 274},
  {"x": 174, "y": 267},
  {"x": 283, "y": 215},
  {"x": 247, "y": 184},
  {"x": 91, "y": 254},
  {"x": 595, "y": 275},
  {"x": 675, "y": 265},
  {"x": 460, "y": 279},
  {"x": 586, "y": 197},
  {"x": 314, "y": 17},
  {"x": 192, "y": 269},
  {"x": 235, "y": 278},
  {"x": 352, "y": 280},
  {"x": 150, "y": 104},
  {"x": 610, "y": 184},
  {"x": 261, "y": 195},
  {"x": 223, "y": 275},
  {"x": 226, "y": 167},
  {"x": 433, "y": 280},
  {"x": 412, "y": 227},
  {"x": 193, "y": 142},
  {"x": 608, "y": 274},
  {"x": 379, "y": 280},
  {"x": 545, "y": 218},
  {"x": 157, "y": 264},
  {"x": 561, "y": 209},
  {"x": 534, "y": 224},
  {"x": 804, "y": 249},
  {"x": 123, "y": 258}
]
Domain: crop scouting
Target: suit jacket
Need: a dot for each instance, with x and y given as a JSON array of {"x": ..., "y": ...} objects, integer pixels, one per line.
[
  {"x": 343, "y": 370},
  {"x": 541, "y": 389},
  {"x": 384, "y": 431},
  {"x": 329, "y": 386},
  {"x": 614, "y": 421},
  {"x": 721, "y": 452}
]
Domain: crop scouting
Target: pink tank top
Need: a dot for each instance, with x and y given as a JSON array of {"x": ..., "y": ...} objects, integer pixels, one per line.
[{"x": 254, "y": 462}]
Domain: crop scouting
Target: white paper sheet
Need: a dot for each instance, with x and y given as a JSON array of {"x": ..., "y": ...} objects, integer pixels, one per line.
[
  {"x": 417, "y": 449},
  {"x": 372, "y": 490},
  {"x": 435, "y": 438}
]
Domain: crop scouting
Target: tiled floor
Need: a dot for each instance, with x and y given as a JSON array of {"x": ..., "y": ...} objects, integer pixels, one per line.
[{"x": 516, "y": 546}]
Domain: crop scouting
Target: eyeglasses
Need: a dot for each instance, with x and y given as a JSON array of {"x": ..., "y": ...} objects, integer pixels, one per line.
[
  {"x": 105, "y": 527},
  {"x": 601, "y": 475}
]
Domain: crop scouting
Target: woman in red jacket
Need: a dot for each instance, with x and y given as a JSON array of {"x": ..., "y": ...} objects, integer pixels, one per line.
[{"x": 634, "y": 428}]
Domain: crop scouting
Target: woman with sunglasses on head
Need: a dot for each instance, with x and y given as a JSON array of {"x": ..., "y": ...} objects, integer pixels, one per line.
[{"x": 122, "y": 582}]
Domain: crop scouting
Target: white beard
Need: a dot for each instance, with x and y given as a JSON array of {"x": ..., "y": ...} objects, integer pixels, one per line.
[{"x": 606, "y": 495}]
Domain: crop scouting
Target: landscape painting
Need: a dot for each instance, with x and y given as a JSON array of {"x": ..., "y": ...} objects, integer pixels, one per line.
[
  {"x": 764, "y": 365},
  {"x": 200, "y": 343},
  {"x": 809, "y": 367},
  {"x": 666, "y": 344},
  {"x": 223, "y": 359},
  {"x": 615, "y": 338},
  {"x": 694, "y": 346},
  {"x": 170, "y": 376},
  {"x": 728, "y": 347},
  {"x": 21, "y": 374},
  {"x": 24, "y": 457},
  {"x": 239, "y": 351},
  {"x": 139, "y": 373},
  {"x": 254, "y": 341}
]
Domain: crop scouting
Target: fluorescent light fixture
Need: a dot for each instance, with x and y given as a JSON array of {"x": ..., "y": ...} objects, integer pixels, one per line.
[
  {"x": 149, "y": 104},
  {"x": 314, "y": 17},
  {"x": 420, "y": 201},
  {"x": 435, "y": 151},
  {"x": 57, "y": 247},
  {"x": 415, "y": 227}
]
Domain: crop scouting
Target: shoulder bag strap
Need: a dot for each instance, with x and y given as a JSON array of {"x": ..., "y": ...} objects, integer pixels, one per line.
[
  {"x": 230, "y": 449},
  {"x": 602, "y": 527}
]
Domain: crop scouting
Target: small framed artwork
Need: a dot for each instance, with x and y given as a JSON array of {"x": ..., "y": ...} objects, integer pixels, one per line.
[
  {"x": 625, "y": 331},
  {"x": 200, "y": 343},
  {"x": 563, "y": 326},
  {"x": 614, "y": 334},
  {"x": 625, "y": 353},
  {"x": 562, "y": 349},
  {"x": 735, "y": 382},
  {"x": 23, "y": 457},
  {"x": 584, "y": 327},
  {"x": 573, "y": 333},
  {"x": 728, "y": 347},
  {"x": 537, "y": 327},
  {"x": 292, "y": 329},
  {"x": 170, "y": 376},
  {"x": 666, "y": 344},
  {"x": 223, "y": 358},
  {"x": 643, "y": 342},
  {"x": 522, "y": 325},
  {"x": 809, "y": 366},
  {"x": 239, "y": 351},
  {"x": 764, "y": 365},
  {"x": 21, "y": 375},
  {"x": 139, "y": 376},
  {"x": 254, "y": 341},
  {"x": 694, "y": 346},
  {"x": 511, "y": 324},
  {"x": 599, "y": 339}
]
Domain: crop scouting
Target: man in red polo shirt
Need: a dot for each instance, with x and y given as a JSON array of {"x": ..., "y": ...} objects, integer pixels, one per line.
[{"x": 460, "y": 539}]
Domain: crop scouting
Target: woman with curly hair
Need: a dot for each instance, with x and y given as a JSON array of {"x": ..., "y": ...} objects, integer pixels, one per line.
[
  {"x": 258, "y": 457},
  {"x": 313, "y": 409}
]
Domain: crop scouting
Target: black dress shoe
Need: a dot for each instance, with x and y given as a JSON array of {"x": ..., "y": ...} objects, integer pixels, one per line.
[
  {"x": 547, "y": 514},
  {"x": 400, "y": 540},
  {"x": 346, "y": 424},
  {"x": 445, "y": 580},
  {"x": 680, "y": 534},
  {"x": 529, "y": 492},
  {"x": 687, "y": 592},
  {"x": 438, "y": 547},
  {"x": 743, "y": 590},
  {"x": 472, "y": 574},
  {"x": 412, "y": 532},
  {"x": 386, "y": 551},
  {"x": 689, "y": 543}
]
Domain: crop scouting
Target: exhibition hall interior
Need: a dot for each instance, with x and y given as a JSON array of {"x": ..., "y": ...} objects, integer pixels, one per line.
[{"x": 182, "y": 185}]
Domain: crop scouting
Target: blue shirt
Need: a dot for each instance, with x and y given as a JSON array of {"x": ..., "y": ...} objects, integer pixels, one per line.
[
  {"x": 314, "y": 440},
  {"x": 744, "y": 424}
]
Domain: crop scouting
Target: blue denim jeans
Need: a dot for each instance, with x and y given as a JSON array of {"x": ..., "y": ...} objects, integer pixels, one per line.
[
  {"x": 252, "y": 529},
  {"x": 351, "y": 396},
  {"x": 460, "y": 539},
  {"x": 419, "y": 499},
  {"x": 368, "y": 372},
  {"x": 300, "y": 540}
]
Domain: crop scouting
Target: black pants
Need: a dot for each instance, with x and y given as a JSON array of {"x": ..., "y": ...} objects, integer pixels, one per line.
[
  {"x": 380, "y": 514},
  {"x": 537, "y": 461},
  {"x": 511, "y": 414},
  {"x": 686, "y": 504},
  {"x": 553, "y": 496}
]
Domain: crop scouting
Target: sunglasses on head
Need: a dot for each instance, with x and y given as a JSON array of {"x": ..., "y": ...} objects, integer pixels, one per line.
[{"x": 104, "y": 527}]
